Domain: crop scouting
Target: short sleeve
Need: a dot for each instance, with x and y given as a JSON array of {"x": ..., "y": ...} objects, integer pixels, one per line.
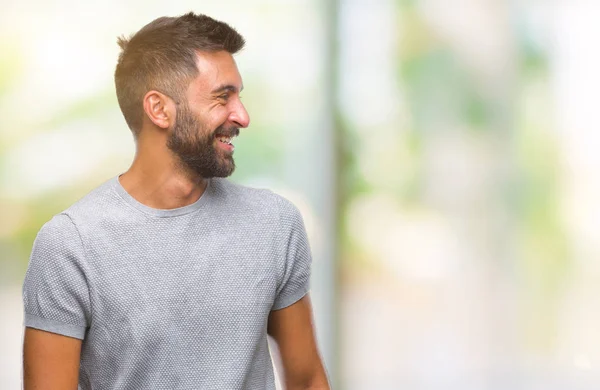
[
  {"x": 55, "y": 291},
  {"x": 295, "y": 256}
]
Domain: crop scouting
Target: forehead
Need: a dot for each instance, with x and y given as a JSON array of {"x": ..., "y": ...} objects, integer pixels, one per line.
[{"x": 215, "y": 70}]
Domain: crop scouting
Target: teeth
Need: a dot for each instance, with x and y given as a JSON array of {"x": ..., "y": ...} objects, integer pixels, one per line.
[{"x": 226, "y": 140}]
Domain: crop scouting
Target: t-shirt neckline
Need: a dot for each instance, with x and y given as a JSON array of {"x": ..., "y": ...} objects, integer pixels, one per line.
[{"x": 160, "y": 212}]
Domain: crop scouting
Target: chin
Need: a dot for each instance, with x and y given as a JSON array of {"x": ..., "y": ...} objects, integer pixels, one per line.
[{"x": 225, "y": 169}]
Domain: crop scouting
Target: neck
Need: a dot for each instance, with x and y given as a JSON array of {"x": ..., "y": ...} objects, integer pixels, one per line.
[{"x": 157, "y": 180}]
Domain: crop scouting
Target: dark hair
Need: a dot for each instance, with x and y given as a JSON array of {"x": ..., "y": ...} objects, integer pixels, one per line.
[{"x": 162, "y": 56}]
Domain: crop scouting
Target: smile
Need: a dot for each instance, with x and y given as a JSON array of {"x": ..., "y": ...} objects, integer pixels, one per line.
[
  {"x": 226, "y": 143},
  {"x": 226, "y": 140}
]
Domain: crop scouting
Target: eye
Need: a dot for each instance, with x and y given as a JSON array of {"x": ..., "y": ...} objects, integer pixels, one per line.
[{"x": 224, "y": 96}]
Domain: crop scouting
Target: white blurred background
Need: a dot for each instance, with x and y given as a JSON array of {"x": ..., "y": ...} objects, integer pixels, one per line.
[{"x": 444, "y": 155}]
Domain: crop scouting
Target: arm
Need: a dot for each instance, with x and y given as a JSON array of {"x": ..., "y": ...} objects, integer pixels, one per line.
[
  {"x": 57, "y": 309},
  {"x": 50, "y": 361},
  {"x": 292, "y": 329}
]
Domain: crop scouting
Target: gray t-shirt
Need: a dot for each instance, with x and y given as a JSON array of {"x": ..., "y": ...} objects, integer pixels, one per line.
[{"x": 169, "y": 299}]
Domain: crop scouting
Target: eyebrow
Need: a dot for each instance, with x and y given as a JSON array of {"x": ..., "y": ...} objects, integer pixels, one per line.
[{"x": 227, "y": 87}]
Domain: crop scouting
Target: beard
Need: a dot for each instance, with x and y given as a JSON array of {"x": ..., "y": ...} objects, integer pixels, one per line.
[{"x": 195, "y": 146}]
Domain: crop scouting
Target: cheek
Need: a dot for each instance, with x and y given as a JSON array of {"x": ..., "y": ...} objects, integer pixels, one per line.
[{"x": 218, "y": 116}]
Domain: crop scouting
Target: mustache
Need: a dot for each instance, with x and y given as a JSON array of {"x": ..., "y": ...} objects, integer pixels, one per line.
[{"x": 222, "y": 131}]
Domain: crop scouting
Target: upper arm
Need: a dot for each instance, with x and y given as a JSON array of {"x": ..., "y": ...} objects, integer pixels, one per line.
[
  {"x": 290, "y": 321},
  {"x": 50, "y": 361},
  {"x": 292, "y": 328},
  {"x": 57, "y": 309},
  {"x": 56, "y": 294},
  {"x": 294, "y": 257}
]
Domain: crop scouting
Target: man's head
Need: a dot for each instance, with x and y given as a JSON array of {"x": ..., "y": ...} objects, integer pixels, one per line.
[{"x": 178, "y": 75}]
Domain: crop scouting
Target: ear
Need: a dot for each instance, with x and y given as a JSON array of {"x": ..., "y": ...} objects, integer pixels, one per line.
[{"x": 159, "y": 108}]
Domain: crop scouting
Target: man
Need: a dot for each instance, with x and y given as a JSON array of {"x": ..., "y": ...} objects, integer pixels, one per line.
[{"x": 169, "y": 276}]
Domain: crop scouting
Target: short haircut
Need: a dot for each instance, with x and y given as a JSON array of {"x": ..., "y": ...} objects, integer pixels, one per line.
[{"x": 162, "y": 57}]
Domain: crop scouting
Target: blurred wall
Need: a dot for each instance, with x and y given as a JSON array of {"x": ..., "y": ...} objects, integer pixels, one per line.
[{"x": 469, "y": 256}]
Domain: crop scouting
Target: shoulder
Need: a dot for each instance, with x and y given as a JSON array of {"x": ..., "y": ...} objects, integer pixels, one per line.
[
  {"x": 60, "y": 230},
  {"x": 67, "y": 223},
  {"x": 270, "y": 205},
  {"x": 258, "y": 198},
  {"x": 263, "y": 205},
  {"x": 57, "y": 243},
  {"x": 95, "y": 200}
]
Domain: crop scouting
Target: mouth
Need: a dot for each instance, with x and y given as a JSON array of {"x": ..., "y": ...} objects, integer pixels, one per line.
[
  {"x": 224, "y": 137},
  {"x": 226, "y": 142}
]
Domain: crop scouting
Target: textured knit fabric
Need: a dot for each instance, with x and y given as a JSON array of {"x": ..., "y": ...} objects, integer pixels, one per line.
[{"x": 169, "y": 299}]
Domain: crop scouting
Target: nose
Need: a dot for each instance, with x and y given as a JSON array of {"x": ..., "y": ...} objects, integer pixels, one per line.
[{"x": 239, "y": 115}]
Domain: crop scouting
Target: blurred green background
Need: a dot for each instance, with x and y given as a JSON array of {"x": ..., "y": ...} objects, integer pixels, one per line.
[{"x": 444, "y": 155}]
